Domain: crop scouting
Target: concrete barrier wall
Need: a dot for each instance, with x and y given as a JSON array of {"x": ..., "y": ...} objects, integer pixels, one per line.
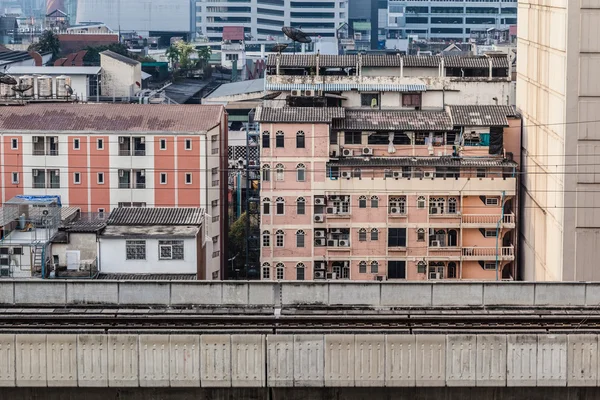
[
  {"x": 224, "y": 361},
  {"x": 298, "y": 294}
]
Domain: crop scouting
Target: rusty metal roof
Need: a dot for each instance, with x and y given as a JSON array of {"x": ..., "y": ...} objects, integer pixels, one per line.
[
  {"x": 111, "y": 117},
  {"x": 299, "y": 114},
  {"x": 156, "y": 216},
  {"x": 446, "y": 161},
  {"x": 394, "y": 121},
  {"x": 485, "y": 115}
]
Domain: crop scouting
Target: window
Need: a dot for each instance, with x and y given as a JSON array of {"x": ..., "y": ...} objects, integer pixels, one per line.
[
  {"x": 231, "y": 57},
  {"x": 76, "y": 144},
  {"x": 300, "y": 172},
  {"x": 452, "y": 270},
  {"x": 374, "y": 202},
  {"x": 279, "y": 238},
  {"x": 54, "y": 178},
  {"x": 280, "y": 206},
  {"x": 188, "y": 178},
  {"x": 420, "y": 235},
  {"x": 411, "y": 99},
  {"x": 421, "y": 267},
  {"x": 489, "y": 266},
  {"x": 369, "y": 100},
  {"x": 15, "y": 178},
  {"x": 300, "y": 142},
  {"x": 301, "y": 206},
  {"x": 279, "y": 139},
  {"x": 397, "y": 205},
  {"x": 14, "y": 143},
  {"x": 490, "y": 233},
  {"x": 266, "y": 140},
  {"x": 396, "y": 270},
  {"x": 452, "y": 208},
  {"x": 188, "y": 144},
  {"x": 481, "y": 172},
  {"x": 163, "y": 144},
  {"x": 135, "y": 249},
  {"x": 100, "y": 144},
  {"x": 362, "y": 235},
  {"x": 279, "y": 172},
  {"x": 279, "y": 271},
  {"x": 357, "y": 173},
  {"x": 436, "y": 205},
  {"x": 77, "y": 178},
  {"x": 491, "y": 201},
  {"x": 300, "y": 235},
  {"x": 39, "y": 178},
  {"x": 374, "y": 234},
  {"x": 421, "y": 202},
  {"x": 374, "y": 267},
  {"x": 388, "y": 173},
  {"x": 352, "y": 137},
  {"x": 266, "y": 206},
  {"x": 101, "y": 212},
  {"x": 170, "y": 249},
  {"x": 266, "y": 173},
  {"x": 163, "y": 178},
  {"x": 266, "y": 239},
  {"x": 397, "y": 237},
  {"x": 300, "y": 271},
  {"x": 100, "y": 178},
  {"x": 266, "y": 271},
  {"x": 362, "y": 267},
  {"x": 362, "y": 202}
]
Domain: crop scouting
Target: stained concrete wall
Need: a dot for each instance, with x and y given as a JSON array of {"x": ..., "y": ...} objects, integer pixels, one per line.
[
  {"x": 298, "y": 294},
  {"x": 301, "y": 361}
]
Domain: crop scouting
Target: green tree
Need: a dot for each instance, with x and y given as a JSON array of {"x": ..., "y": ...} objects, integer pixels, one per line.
[
  {"x": 92, "y": 57},
  {"x": 172, "y": 54},
  {"x": 238, "y": 241},
  {"x": 48, "y": 42},
  {"x": 204, "y": 54},
  {"x": 185, "y": 50}
]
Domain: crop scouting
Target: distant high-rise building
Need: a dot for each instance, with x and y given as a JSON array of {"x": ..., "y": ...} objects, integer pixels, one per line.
[
  {"x": 558, "y": 93},
  {"x": 367, "y": 22},
  {"x": 263, "y": 19},
  {"x": 53, "y": 5},
  {"x": 448, "y": 20}
]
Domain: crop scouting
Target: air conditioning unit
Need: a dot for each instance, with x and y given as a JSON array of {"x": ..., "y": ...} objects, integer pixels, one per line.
[
  {"x": 36, "y": 172},
  {"x": 335, "y": 198},
  {"x": 346, "y": 174},
  {"x": 367, "y": 151},
  {"x": 332, "y": 243},
  {"x": 344, "y": 243},
  {"x": 381, "y": 278},
  {"x": 320, "y": 274},
  {"x": 296, "y": 93},
  {"x": 36, "y": 139},
  {"x": 397, "y": 175},
  {"x": 320, "y": 242},
  {"x": 395, "y": 210},
  {"x": 330, "y": 210},
  {"x": 310, "y": 93},
  {"x": 320, "y": 201},
  {"x": 428, "y": 174},
  {"x": 319, "y": 234},
  {"x": 336, "y": 230},
  {"x": 319, "y": 218},
  {"x": 434, "y": 210},
  {"x": 121, "y": 173},
  {"x": 435, "y": 243},
  {"x": 121, "y": 139},
  {"x": 347, "y": 152}
]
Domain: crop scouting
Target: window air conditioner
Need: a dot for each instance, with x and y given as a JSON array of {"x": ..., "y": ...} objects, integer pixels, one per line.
[
  {"x": 319, "y": 234},
  {"x": 332, "y": 243},
  {"x": 336, "y": 230},
  {"x": 428, "y": 174},
  {"x": 344, "y": 243},
  {"x": 319, "y": 201},
  {"x": 435, "y": 243},
  {"x": 320, "y": 242},
  {"x": 296, "y": 93},
  {"x": 397, "y": 175},
  {"x": 346, "y": 174},
  {"x": 319, "y": 218},
  {"x": 395, "y": 210},
  {"x": 331, "y": 210},
  {"x": 434, "y": 210},
  {"x": 320, "y": 274},
  {"x": 381, "y": 278},
  {"x": 347, "y": 152},
  {"x": 367, "y": 151},
  {"x": 309, "y": 93}
]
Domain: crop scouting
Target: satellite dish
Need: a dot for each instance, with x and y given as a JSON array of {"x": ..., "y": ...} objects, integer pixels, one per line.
[
  {"x": 271, "y": 96},
  {"x": 21, "y": 88},
  {"x": 296, "y": 34},
  {"x": 8, "y": 80},
  {"x": 278, "y": 48}
]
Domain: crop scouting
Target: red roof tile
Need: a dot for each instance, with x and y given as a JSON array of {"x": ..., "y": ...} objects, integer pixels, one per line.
[{"x": 111, "y": 117}]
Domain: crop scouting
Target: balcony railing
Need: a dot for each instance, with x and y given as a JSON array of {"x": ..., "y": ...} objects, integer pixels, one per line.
[
  {"x": 488, "y": 219},
  {"x": 124, "y": 185},
  {"x": 488, "y": 253}
]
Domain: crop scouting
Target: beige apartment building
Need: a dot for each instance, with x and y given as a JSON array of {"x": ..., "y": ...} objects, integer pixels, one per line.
[{"x": 558, "y": 94}]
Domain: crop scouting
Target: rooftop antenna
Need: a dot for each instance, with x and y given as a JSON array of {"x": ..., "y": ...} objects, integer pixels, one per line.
[{"x": 296, "y": 35}]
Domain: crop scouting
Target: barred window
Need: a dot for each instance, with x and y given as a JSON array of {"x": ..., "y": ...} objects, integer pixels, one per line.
[
  {"x": 135, "y": 249},
  {"x": 170, "y": 249}
]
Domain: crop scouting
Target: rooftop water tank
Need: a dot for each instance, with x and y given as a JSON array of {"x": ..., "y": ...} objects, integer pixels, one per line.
[{"x": 44, "y": 86}]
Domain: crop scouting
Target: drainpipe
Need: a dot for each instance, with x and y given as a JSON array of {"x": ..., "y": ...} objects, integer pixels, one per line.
[
  {"x": 401, "y": 66},
  {"x": 490, "y": 62},
  {"x": 498, "y": 231}
]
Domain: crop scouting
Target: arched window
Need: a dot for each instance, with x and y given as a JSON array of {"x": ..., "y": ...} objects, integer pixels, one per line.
[
  {"x": 266, "y": 206},
  {"x": 279, "y": 238},
  {"x": 357, "y": 173},
  {"x": 300, "y": 172},
  {"x": 398, "y": 205},
  {"x": 420, "y": 235},
  {"x": 280, "y": 206},
  {"x": 279, "y": 139},
  {"x": 362, "y": 235},
  {"x": 300, "y": 143},
  {"x": 452, "y": 238},
  {"x": 452, "y": 205},
  {"x": 266, "y": 237},
  {"x": 279, "y": 172},
  {"x": 374, "y": 267},
  {"x": 266, "y": 271},
  {"x": 266, "y": 140},
  {"x": 279, "y": 271},
  {"x": 436, "y": 205},
  {"x": 300, "y": 271},
  {"x": 451, "y": 270},
  {"x": 300, "y": 235},
  {"x": 374, "y": 202},
  {"x": 362, "y": 202},
  {"x": 421, "y": 267},
  {"x": 374, "y": 234},
  {"x": 266, "y": 173},
  {"x": 421, "y": 202},
  {"x": 301, "y": 206},
  {"x": 362, "y": 267}
]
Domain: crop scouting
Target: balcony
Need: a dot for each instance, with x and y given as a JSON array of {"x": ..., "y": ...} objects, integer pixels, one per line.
[
  {"x": 488, "y": 220},
  {"x": 488, "y": 253},
  {"x": 444, "y": 253}
]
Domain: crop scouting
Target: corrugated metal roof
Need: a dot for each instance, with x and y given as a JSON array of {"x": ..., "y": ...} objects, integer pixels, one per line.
[
  {"x": 485, "y": 115},
  {"x": 111, "y": 117},
  {"x": 394, "y": 121},
  {"x": 423, "y": 161},
  {"x": 147, "y": 277},
  {"x": 156, "y": 216},
  {"x": 361, "y": 87},
  {"x": 299, "y": 114},
  {"x": 28, "y": 70},
  {"x": 236, "y": 88}
]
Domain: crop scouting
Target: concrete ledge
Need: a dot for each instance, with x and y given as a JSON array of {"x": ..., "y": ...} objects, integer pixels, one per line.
[
  {"x": 456, "y": 294},
  {"x": 183, "y": 293},
  {"x": 509, "y": 294},
  {"x": 234, "y": 294},
  {"x": 41, "y": 292},
  {"x": 93, "y": 292},
  {"x": 7, "y": 291},
  {"x": 144, "y": 293},
  {"x": 355, "y": 294},
  {"x": 406, "y": 294},
  {"x": 261, "y": 294},
  {"x": 305, "y": 293},
  {"x": 592, "y": 294},
  {"x": 559, "y": 294}
]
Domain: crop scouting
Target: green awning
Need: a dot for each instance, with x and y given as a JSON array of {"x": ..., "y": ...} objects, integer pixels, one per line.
[{"x": 362, "y": 26}]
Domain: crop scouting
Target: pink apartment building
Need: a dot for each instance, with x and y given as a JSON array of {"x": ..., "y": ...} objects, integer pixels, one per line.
[
  {"x": 363, "y": 195},
  {"x": 101, "y": 156}
]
